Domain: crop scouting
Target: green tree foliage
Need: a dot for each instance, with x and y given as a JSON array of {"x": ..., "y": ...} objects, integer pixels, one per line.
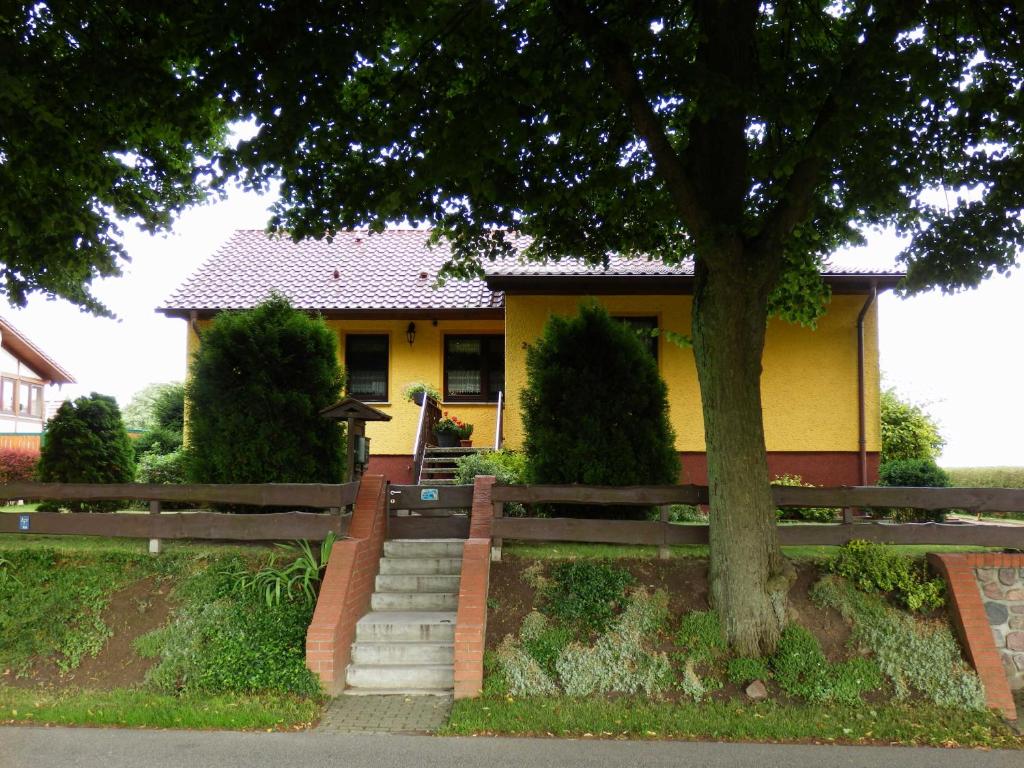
[
  {"x": 159, "y": 409},
  {"x": 908, "y": 431},
  {"x": 914, "y": 473},
  {"x": 258, "y": 384},
  {"x": 614, "y": 430},
  {"x": 755, "y": 138},
  {"x": 86, "y": 442}
]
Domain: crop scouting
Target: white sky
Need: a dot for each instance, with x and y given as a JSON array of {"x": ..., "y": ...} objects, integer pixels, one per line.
[{"x": 959, "y": 355}]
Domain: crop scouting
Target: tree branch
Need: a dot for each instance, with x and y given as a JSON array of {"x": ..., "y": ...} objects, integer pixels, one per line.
[
  {"x": 798, "y": 194},
  {"x": 617, "y": 60}
]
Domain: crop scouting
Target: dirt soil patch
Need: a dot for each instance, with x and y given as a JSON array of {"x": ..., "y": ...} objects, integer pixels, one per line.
[{"x": 131, "y": 613}]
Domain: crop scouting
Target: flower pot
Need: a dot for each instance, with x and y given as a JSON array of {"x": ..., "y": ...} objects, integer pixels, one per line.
[
  {"x": 447, "y": 439},
  {"x": 466, "y": 443},
  {"x": 417, "y": 397}
]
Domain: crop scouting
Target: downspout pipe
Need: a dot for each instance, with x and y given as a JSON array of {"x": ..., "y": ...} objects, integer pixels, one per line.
[{"x": 862, "y": 439}]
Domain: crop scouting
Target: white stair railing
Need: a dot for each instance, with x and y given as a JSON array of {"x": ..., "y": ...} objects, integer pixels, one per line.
[{"x": 498, "y": 425}]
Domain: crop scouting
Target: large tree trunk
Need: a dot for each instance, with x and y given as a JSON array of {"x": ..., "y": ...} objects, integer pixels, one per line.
[{"x": 749, "y": 577}]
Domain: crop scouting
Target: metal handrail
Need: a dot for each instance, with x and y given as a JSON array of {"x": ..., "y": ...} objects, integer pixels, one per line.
[{"x": 499, "y": 425}]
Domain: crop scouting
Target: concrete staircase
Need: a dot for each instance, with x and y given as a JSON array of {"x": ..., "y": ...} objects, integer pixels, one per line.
[
  {"x": 405, "y": 644},
  {"x": 439, "y": 466}
]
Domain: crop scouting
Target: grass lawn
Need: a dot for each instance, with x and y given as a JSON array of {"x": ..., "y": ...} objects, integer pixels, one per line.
[
  {"x": 634, "y": 718},
  {"x": 15, "y": 508},
  {"x": 565, "y": 550},
  {"x": 138, "y": 708}
]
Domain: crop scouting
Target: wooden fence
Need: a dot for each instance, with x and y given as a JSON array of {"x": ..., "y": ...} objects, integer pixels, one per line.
[
  {"x": 185, "y": 525},
  {"x": 663, "y": 533},
  {"x": 423, "y": 512}
]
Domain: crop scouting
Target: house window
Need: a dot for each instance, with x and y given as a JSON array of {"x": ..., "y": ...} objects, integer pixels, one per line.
[
  {"x": 366, "y": 365},
  {"x": 35, "y": 400},
  {"x": 7, "y": 390},
  {"x": 644, "y": 328},
  {"x": 474, "y": 368}
]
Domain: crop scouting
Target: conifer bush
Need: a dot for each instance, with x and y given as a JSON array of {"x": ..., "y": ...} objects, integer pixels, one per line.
[
  {"x": 86, "y": 442},
  {"x": 258, "y": 384},
  {"x": 595, "y": 410}
]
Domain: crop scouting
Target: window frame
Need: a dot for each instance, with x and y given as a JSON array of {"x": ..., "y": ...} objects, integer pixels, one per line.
[
  {"x": 387, "y": 366},
  {"x": 485, "y": 382},
  {"x": 13, "y": 410}
]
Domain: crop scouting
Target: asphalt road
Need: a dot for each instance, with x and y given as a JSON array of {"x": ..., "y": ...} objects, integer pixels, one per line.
[{"x": 110, "y": 748}]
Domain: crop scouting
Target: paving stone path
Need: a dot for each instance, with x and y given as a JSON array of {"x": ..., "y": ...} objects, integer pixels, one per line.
[{"x": 386, "y": 714}]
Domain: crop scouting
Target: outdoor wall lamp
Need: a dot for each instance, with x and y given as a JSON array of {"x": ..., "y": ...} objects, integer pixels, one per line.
[{"x": 410, "y": 333}]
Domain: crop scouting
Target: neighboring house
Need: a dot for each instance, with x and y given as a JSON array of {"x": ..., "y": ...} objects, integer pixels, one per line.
[
  {"x": 25, "y": 372},
  {"x": 469, "y": 339}
]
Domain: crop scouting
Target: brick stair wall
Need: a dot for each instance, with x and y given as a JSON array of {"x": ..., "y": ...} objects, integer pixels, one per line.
[
  {"x": 347, "y": 586},
  {"x": 471, "y": 618}
]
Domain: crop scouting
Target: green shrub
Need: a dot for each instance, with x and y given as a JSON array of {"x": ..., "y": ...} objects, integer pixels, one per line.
[
  {"x": 508, "y": 467},
  {"x": 626, "y": 441},
  {"x": 915, "y": 473},
  {"x": 745, "y": 670},
  {"x": 162, "y": 468},
  {"x": 700, "y": 636},
  {"x": 584, "y": 593},
  {"x": 811, "y": 514},
  {"x": 296, "y": 580},
  {"x": 544, "y": 641},
  {"x": 908, "y": 431},
  {"x": 683, "y": 513},
  {"x": 915, "y": 655},
  {"x": 621, "y": 661},
  {"x": 223, "y": 640},
  {"x": 801, "y": 670},
  {"x": 521, "y": 673},
  {"x": 875, "y": 567},
  {"x": 259, "y": 381},
  {"x": 86, "y": 442}
]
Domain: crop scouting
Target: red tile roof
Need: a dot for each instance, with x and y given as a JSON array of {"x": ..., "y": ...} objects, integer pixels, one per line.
[{"x": 392, "y": 271}]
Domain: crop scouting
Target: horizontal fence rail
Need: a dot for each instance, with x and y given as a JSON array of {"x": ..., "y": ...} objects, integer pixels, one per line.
[
  {"x": 971, "y": 499},
  {"x": 257, "y": 494},
  {"x": 426, "y": 496},
  {"x": 274, "y": 526},
  {"x": 663, "y": 533}
]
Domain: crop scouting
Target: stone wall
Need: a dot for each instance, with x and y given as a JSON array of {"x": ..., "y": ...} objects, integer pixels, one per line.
[{"x": 1002, "y": 593}]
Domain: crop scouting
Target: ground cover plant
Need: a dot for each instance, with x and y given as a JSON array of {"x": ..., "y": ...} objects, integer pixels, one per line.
[
  {"x": 881, "y": 568},
  {"x": 106, "y": 634},
  {"x": 848, "y": 662}
]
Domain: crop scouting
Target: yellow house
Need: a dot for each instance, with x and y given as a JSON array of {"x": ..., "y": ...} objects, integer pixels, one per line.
[{"x": 396, "y": 326}]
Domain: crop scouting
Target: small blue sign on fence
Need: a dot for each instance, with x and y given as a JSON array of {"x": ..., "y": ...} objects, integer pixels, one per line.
[
  {"x": 24, "y": 521},
  {"x": 428, "y": 494}
]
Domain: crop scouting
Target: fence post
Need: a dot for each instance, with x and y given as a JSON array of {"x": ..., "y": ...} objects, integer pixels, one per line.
[
  {"x": 155, "y": 545},
  {"x": 499, "y": 511},
  {"x": 663, "y": 550},
  {"x": 848, "y": 515}
]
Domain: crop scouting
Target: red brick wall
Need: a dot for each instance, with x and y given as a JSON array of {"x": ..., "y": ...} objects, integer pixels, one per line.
[
  {"x": 347, "y": 586},
  {"x": 471, "y": 619},
  {"x": 972, "y": 623},
  {"x": 818, "y": 468}
]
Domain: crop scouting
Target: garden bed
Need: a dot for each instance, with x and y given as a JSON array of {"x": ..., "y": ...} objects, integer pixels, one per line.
[
  {"x": 846, "y": 670},
  {"x": 106, "y": 634}
]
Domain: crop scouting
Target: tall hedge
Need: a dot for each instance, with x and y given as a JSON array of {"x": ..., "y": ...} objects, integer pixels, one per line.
[
  {"x": 86, "y": 442},
  {"x": 258, "y": 383},
  {"x": 595, "y": 409}
]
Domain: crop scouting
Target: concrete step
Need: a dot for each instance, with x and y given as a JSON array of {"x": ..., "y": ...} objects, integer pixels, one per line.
[
  {"x": 406, "y": 626},
  {"x": 447, "y": 692},
  {"x": 403, "y": 653},
  {"x": 419, "y": 548},
  {"x": 448, "y": 460},
  {"x": 414, "y": 601},
  {"x": 435, "y": 470},
  {"x": 421, "y": 565},
  {"x": 400, "y": 676},
  {"x": 400, "y": 582},
  {"x": 433, "y": 450}
]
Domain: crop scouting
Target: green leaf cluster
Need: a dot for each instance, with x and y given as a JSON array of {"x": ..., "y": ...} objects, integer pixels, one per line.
[
  {"x": 585, "y": 594},
  {"x": 800, "y": 668},
  {"x": 86, "y": 442},
  {"x": 908, "y": 431},
  {"x": 259, "y": 381},
  {"x": 881, "y": 569}
]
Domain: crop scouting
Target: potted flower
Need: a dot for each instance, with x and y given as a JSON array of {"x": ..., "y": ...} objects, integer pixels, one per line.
[
  {"x": 451, "y": 430},
  {"x": 416, "y": 391}
]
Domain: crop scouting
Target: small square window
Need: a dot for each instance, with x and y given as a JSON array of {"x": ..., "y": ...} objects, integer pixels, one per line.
[
  {"x": 366, "y": 367},
  {"x": 474, "y": 368}
]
